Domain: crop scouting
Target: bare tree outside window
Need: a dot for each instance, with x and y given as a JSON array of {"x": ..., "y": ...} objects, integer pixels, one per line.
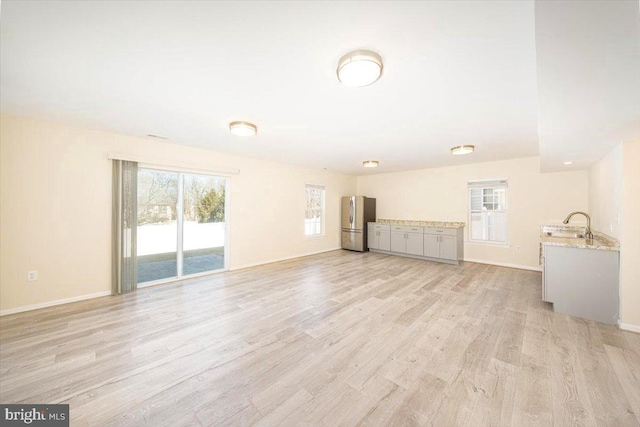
[
  {"x": 157, "y": 197},
  {"x": 314, "y": 212}
]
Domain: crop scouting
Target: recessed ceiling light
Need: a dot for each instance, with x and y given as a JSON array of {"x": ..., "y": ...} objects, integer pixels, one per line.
[
  {"x": 243, "y": 128},
  {"x": 370, "y": 163},
  {"x": 569, "y": 162},
  {"x": 462, "y": 149},
  {"x": 359, "y": 68}
]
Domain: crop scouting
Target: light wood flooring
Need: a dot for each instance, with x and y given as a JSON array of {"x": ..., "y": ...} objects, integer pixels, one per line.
[{"x": 339, "y": 338}]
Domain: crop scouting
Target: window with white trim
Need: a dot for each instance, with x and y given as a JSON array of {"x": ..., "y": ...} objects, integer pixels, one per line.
[
  {"x": 488, "y": 211},
  {"x": 314, "y": 212}
]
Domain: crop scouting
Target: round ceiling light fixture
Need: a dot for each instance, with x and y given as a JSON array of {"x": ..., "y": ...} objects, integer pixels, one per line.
[
  {"x": 243, "y": 128},
  {"x": 359, "y": 68},
  {"x": 370, "y": 163},
  {"x": 462, "y": 149}
]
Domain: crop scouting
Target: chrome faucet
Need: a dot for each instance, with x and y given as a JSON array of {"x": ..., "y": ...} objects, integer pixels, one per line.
[{"x": 588, "y": 234}]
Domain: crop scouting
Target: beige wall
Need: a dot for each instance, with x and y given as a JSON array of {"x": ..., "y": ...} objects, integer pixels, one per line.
[
  {"x": 614, "y": 183},
  {"x": 605, "y": 193},
  {"x": 441, "y": 194},
  {"x": 630, "y": 238},
  {"x": 55, "y": 210},
  {"x": 55, "y": 207}
]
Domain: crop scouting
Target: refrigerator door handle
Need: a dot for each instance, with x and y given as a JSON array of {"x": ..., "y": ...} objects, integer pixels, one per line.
[{"x": 351, "y": 212}]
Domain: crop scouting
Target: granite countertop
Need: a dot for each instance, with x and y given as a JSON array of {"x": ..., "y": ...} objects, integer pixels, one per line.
[
  {"x": 432, "y": 224},
  {"x": 600, "y": 241}
]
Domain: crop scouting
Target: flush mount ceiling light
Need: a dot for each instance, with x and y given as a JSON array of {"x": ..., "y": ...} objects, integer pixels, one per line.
[
  {"x": 569, "y": 162},
  {"x": 359, "y": 68},
  {"x": 370, "y": 163},
  {"x": 243, "y": 128},
  {"x": 462, "y": 149}
]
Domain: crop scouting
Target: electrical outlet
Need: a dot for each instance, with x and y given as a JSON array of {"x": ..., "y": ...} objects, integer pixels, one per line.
[{"x": 32, "y": 276}]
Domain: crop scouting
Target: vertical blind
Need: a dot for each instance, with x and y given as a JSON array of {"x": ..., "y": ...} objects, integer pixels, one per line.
[
  {"x": 488, "y": 210},
  {"x": 125, "y": 224}
]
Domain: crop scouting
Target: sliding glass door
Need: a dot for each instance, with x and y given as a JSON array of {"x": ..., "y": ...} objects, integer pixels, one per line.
[
  {"x": 157, "y": 225},
  {"x": 203, "y": 228},
  {"x": 181, "y": 224}
]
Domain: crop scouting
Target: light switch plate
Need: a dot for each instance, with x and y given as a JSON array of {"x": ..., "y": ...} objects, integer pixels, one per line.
[{"x": 32, "y": 276}]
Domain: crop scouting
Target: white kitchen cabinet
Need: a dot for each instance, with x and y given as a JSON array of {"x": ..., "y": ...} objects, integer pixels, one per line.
[
  {"x": 407, "y": 240},
  {"x": 432, "y": 246},
  {"x": 443, "y": 243},
  {"x": 415, "y": 244},
  {"x": 379, "y": 236},
  {"x": 398, "y": 242},
  {"x": 372, "y": 238},
  {"x": 448, "y": 248},
  {"x": 435, "y": 244},
  {"x": 581, "y": 282},
  {"x": 384, "y": 240}
]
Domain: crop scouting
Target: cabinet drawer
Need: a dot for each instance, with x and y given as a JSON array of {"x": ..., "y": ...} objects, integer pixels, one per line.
[
  {"x": 442, "y": 231},
  {"x": 407, "y": 229},
  {"x": 376, "y": 226}
]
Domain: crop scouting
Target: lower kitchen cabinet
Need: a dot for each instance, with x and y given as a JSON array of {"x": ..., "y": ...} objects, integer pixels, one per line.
[
  {"x": 443, "y": 243},
  {"x": 379, "y": 236},
  {"x": 384, "y": 240},
  {"x": 432, "y": 245},
  {"x": 581, "y": 282},
  {"x": 398, "y": 243},
  {"x": 448, "y": 247},
  {"x": 435, "y": 244},
  {"x": 415, "y": 245},
  {"x": 407, "y": 240}
]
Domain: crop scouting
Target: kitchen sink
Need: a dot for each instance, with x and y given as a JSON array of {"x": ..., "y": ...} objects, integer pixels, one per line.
[{"x": 563, "y": 234}]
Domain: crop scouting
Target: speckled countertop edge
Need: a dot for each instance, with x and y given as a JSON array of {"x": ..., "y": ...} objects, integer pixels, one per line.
[
  {"x": 600, "y": 241},
  {"x": 413, "y": 223}
]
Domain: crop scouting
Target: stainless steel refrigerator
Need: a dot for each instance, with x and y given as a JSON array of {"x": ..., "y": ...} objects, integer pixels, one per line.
[{"x": 357, "y": 211}]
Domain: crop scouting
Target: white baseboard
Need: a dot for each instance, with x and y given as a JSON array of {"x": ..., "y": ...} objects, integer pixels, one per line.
[
  {"x": 241, "y": 267},
  {"x": 52, "y": 303},
  {"x": 628, "y": 327},
  {"x": 504, "y": 264}
]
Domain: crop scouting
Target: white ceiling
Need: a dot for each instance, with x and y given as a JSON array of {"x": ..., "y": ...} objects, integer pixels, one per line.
[
  {"x": 588, "y": 63},
  {"x": 455, "y": 73}
]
